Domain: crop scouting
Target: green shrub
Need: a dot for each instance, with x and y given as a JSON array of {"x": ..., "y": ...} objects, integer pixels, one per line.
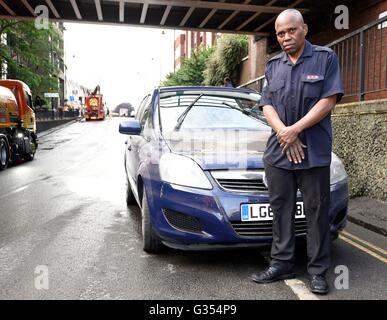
[
  {"x": 209, "y": 66},
  {"x": 226, "y": 59},
  {"x": 191, "y": 71}
]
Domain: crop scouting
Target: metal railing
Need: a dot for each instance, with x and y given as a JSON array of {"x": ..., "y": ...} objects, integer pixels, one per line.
[
  {"x": 256, "y": 84},
  {"x": 45, "y": 115},
  {"x": 363, "y": 61}
]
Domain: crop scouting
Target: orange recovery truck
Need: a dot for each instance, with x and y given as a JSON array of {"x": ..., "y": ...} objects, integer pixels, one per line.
[
  {"x": 18, "y": 139},
  {"x": 94, "y": 106}
]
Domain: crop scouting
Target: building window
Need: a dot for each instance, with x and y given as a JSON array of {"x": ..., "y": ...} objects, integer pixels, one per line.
[{"x": 384, "y": 24}]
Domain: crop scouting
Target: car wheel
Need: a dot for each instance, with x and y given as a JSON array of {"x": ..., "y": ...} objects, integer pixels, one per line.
[
  {"x": 151, "y": 242},
  {"x": 4, "y": 154},
  {"x": 29, "y": 156},
  {"x": 130, "y": 199}
]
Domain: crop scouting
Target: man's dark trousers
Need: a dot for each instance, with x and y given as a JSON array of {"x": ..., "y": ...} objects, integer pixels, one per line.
[{"x": 314, "y": 184}]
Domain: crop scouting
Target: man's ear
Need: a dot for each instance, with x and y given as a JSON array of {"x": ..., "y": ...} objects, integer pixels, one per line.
[{"x": 305, "y": 29}]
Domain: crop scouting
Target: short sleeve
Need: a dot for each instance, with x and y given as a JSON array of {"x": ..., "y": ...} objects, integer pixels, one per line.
[
  {"x": 265, "y": 94},
  {"x": 333, "y": 84}
]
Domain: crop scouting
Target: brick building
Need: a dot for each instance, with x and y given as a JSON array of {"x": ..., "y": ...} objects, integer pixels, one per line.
[{"x": 187, "y": 41}]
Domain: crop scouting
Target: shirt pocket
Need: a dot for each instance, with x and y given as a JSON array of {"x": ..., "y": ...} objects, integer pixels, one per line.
[
  {"x": 312, "y": 85},
  {"x": 277, "y": 91},
  {"x": 276, "y": 85}
]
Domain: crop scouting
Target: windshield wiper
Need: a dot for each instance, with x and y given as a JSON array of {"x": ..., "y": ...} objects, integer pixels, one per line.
[
  {"x": 184, "y": 114},
  {"x": 255, "y": 115},
  {"x": 247, "y": 112}
]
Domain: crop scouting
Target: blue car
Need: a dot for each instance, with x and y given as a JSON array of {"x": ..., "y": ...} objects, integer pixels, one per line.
[{"x": 193, "y": 161}]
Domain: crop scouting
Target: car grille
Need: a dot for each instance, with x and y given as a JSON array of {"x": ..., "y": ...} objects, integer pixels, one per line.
[
  {"x": 240, "y": 180},
  {"x": 264, "y": 228},
  {"x": 182, "y": 221},
  {"x": 242, "y": 184}
]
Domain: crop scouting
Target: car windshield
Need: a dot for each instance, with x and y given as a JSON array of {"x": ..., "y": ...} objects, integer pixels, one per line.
[{"x": 210, "y": 110}]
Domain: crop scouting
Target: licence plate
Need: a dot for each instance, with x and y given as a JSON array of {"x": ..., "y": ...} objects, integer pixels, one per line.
[{"x": 263, "y": 212}]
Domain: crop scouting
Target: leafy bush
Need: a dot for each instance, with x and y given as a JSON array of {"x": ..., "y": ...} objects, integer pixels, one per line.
[
  {"x": 225, "y": 61},
  {"x": 209, "y": 66},
  {"x": 191, "y": 71}
]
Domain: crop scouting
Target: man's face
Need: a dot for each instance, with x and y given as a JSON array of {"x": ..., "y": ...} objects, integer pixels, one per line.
[{"x": 290, "y": 34}]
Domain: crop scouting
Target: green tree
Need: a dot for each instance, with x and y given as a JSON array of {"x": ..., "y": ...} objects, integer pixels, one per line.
[
  {"x": 30, "y": 54},
  {"x": 191, "y": 71},
  {"x": 226, "y": 59}
]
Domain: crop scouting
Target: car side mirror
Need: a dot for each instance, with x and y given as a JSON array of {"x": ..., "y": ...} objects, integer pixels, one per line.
[{"x": 130, "y": 127}]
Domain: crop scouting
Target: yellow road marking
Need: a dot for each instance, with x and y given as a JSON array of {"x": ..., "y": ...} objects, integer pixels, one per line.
[
  {"x": 360, "y": 247},
  {"x": 376, "y": 248}
]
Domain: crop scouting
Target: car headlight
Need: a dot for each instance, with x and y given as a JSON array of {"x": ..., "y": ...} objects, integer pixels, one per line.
[
  {"x": 183, "y": 171},
  {"x": 20, "y": 135},
  {"x": 337, "y": 170}
]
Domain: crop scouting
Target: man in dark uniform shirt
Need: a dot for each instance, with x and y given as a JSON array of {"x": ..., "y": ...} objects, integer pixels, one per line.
[{"x": 303, "y": 84}]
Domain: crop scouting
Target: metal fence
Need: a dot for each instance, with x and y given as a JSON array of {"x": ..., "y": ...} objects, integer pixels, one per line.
[
  {"x": 45, "y": 115},
  {"x": 363, "y": 60}
]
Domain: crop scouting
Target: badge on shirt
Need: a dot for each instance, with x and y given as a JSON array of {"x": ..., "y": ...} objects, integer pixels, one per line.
[{"x": 312, "y": 77}]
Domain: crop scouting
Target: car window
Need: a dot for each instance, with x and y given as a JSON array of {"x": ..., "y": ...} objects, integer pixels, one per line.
[
  {"x": 146, "y": 114},
  {"x": 28, "y": 99},
  {"x": 140, "y": 109},
  {"x": 211, "y": 111}
]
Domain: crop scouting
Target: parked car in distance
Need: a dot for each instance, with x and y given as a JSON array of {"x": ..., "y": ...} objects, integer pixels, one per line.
[{"x": 193, "y": 162}]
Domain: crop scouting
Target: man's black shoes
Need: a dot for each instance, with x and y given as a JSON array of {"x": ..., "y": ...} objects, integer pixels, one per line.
[
  {"x": 318, "y": 284},
  {"x": 272, "y": 274}
]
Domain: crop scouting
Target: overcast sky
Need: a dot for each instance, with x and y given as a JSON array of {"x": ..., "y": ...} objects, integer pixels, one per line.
[{"x": 125, "y": 61}]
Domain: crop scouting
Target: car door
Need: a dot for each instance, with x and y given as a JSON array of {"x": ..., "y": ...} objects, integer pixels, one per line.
[{"x": 134, "y": 142}]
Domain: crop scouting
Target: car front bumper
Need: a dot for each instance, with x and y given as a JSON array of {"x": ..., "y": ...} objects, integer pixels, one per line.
[{"x": 194, "y": 219}]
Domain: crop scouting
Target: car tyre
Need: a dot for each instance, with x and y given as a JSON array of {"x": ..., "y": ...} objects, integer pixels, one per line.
[
  {"x": 29, "y": 156},
  {"x": 4, "y": 154},
  {"x": 151, "y": 242},
  {"x": 130, "y": 199}
]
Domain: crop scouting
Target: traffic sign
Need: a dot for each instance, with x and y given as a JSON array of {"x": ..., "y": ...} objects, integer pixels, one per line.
[{"x": 51, "y": 95}]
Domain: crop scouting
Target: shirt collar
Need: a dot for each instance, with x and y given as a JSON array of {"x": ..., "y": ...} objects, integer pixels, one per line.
[{"x": 308, "y": 52}]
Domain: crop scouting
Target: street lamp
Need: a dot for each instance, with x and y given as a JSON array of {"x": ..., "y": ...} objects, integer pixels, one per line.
[{"x": 161, "y": 40}]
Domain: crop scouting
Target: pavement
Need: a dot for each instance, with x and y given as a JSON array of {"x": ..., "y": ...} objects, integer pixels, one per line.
[{"x": 369, "y": 213}]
